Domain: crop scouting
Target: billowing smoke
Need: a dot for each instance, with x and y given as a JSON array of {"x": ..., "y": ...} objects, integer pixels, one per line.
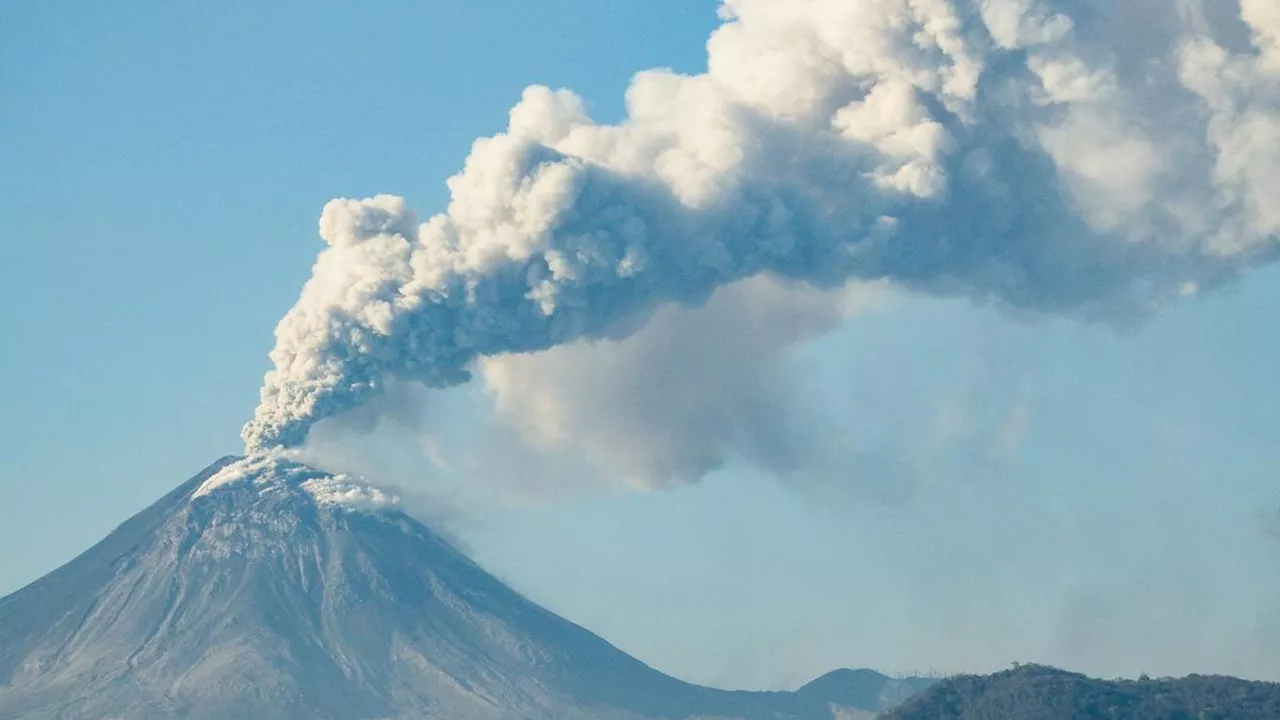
[
  {"x": 684, "y": 395},
  {"x": 1085, "y": 157}
]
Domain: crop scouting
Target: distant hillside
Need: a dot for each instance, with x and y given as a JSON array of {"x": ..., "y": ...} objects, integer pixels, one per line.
[
  {"x": 1034, "y": 692},
  {"x": 863, "y": 689}
]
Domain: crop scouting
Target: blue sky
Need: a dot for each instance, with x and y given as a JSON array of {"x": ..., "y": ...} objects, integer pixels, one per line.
[
  {"x": 1034, "y": 489},
  {"x": 164, "y": 169}
]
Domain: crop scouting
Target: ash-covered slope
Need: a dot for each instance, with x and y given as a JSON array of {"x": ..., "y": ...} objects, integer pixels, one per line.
[{"x": 262, "y": 588}]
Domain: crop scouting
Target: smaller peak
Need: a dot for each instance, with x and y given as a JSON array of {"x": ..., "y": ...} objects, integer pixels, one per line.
[
  {"x": 846, "y": 679},
  {"x": 849, "y": 674},
  {"x": 863, "y": 688},
  {"x": 278, "y": 470}
]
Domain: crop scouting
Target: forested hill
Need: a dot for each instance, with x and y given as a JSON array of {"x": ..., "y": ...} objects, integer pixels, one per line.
[{"x": 1034, "y": 692}]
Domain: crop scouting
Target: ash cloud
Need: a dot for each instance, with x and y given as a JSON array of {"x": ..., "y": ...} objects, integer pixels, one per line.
[
  {"x": 687, "y": 394},
  {"x": 1051, "y": 156}
]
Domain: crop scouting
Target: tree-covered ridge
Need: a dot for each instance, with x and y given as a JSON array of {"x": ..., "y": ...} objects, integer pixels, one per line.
[{"x": 1034, "y": 692}]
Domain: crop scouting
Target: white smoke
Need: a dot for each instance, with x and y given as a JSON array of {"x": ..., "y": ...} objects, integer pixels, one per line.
[
  {"x": 280, "y": 469},
  {"x": 682, "y": 397},
  {"x": 1075, "y": 156}
]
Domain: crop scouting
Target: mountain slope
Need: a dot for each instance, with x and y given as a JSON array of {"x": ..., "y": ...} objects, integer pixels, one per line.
[
  {"x": 262, "y": 588},
  {"x": 1033, "y": 692},
  {"x": 863, "y": 689}
]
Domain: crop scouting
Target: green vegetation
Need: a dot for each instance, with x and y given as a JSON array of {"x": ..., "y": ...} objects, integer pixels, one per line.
[{"x": 1034, "y": 692}]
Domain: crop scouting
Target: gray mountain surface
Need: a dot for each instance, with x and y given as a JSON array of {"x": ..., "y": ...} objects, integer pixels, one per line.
[{"x": 273, "y": 590}]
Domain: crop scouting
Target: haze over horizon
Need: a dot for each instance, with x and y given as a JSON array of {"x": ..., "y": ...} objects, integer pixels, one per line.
[{"x": 1057, "y": 451}]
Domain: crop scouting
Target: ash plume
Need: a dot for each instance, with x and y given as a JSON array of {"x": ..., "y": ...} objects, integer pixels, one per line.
[{"x": 1060, "y": 156}]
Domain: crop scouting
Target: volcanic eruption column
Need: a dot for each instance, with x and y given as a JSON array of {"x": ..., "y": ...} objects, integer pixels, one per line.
[{"x": 1067, "y": 156}]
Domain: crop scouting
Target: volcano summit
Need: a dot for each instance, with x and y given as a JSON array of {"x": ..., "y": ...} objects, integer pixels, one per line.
[{"x": 267, "y": 589}]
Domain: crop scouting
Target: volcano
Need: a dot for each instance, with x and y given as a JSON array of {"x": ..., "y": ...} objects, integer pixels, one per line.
[{"x": 263, "y": 588}]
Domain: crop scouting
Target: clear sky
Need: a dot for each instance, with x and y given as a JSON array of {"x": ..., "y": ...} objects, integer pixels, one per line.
[{"x": 1029, "y": 489}]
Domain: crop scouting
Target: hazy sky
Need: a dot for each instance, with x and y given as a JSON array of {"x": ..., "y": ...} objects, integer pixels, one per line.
[{"x": 1000, "y": 488}]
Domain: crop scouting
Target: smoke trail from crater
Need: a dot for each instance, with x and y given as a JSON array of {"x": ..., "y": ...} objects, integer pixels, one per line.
[{"x": 1058, "y": 156}]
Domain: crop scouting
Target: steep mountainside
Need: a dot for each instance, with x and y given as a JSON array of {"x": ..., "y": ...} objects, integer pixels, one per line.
[
  {"x": 262, "y": 588},
  {"x": 1035, "y": 692}
]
